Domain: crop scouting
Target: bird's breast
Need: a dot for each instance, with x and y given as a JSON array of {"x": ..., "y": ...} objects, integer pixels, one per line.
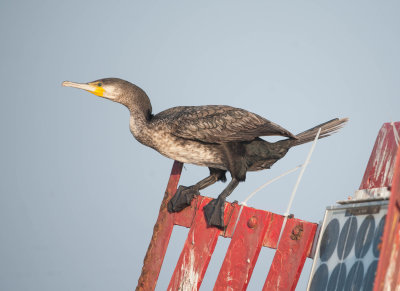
[
  {"x": 189, "y": 151},
  {"x": 177, "y": 148}
]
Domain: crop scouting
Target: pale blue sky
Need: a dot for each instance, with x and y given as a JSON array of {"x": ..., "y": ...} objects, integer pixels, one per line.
[{"x": 79, "y": 196}]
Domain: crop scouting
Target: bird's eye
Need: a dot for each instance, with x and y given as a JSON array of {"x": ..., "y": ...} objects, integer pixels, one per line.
[{"x": 99, "y": 84}]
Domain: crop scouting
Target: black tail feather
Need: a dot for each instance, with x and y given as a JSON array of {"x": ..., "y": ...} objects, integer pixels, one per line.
[{"x": 327, "y": 128}]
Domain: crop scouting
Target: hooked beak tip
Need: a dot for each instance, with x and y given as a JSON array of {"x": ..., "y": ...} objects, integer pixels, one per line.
[{"x": 83, "y": 86}]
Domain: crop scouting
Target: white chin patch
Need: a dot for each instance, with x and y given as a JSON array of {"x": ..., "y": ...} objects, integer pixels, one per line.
[{"x": 110, "y": 93}]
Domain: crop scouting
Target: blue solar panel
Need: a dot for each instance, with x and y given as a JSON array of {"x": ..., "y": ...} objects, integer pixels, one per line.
[{"x": 347, "y": 252}]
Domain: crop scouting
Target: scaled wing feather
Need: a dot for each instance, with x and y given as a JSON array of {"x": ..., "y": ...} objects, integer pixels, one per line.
[{"x": 218, "y": 124}]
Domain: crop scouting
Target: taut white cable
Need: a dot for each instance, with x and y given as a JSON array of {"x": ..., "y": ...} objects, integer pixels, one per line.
[
  {"x": 269, "y": 182},
  {"x": 244, "y": 202},
  {"x": 297, "y": 185}
]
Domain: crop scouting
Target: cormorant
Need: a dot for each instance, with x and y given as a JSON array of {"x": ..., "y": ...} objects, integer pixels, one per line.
[{"x": 219, "y": 137}]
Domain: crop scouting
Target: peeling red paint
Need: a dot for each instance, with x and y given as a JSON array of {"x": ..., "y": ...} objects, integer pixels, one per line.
[
  {"x": 196, "y": 253},
  {"x": 388, "y": 272},
  {"x": 290, "y": 256},
  {"x": 243, "y": 250},
  {"x": 379, "y": 171}
]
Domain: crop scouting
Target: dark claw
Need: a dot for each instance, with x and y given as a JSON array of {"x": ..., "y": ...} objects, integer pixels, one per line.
[
  {"x": 182, "y": 198},
  {"x": 214, "y": 213}
]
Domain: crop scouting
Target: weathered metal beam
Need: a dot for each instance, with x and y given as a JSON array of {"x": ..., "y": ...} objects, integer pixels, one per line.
[
  {"x": 161, "y": 235},
  {"x": 294, "y": 246},
  {"x": 388, "y": 271},
  {"x": 196, "y": 253},
  {"x": 243, "y": 250}
]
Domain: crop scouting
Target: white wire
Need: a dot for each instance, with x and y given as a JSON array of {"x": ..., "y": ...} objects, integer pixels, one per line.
[
  {"x": 269, "y": 182},
  {"x": 244, "y": 202},
  {"x": 297, "y": 185}
]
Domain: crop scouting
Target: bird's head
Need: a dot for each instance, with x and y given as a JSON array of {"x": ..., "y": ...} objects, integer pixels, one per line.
[
  {"x": 110, "y": 88},
  {"x": 117, "y": 90}
]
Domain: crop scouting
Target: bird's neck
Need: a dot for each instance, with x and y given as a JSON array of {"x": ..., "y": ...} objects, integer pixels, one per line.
[
  {"x": 139, "y": 126},
  {"x": 139, "y": 106}
]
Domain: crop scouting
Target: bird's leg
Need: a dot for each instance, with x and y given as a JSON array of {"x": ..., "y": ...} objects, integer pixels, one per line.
[
  {"x": 184, "y": 195},
  {"x": 214, "y": 210}
]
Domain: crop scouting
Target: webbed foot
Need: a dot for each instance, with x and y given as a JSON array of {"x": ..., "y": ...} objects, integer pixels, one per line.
[
  {"x": 182, "y": 198},
  {"x": 214, "y": 213}
]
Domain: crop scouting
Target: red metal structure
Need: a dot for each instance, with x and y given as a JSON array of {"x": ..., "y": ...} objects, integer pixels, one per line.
[
  {"x": 255, "y": 229},
  {"x": 380, "y": 168},
  {"x": 258, "y": 228},
  {"x": 388, "y": 272}
]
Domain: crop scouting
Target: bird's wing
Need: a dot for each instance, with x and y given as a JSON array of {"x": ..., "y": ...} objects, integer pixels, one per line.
[{"x": 217, "y": 124}]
